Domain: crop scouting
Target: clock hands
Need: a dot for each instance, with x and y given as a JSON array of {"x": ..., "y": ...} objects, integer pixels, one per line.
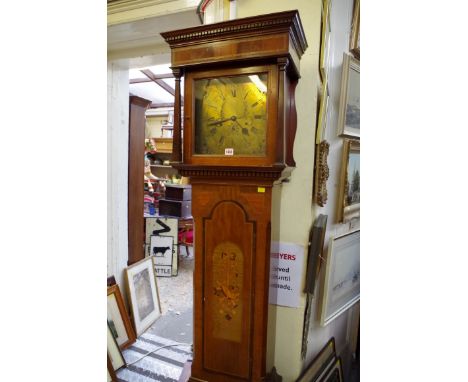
[{"x": 221, "y": 121}]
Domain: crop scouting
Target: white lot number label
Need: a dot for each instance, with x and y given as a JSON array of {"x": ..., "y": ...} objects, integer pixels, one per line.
[{"x": 228, "y": 151}]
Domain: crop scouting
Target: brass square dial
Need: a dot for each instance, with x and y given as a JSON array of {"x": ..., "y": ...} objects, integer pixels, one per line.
[{"x": 231, "y": 115}]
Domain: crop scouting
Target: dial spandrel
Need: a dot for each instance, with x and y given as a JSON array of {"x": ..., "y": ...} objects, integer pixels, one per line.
[{"x": 231, "y": 113}]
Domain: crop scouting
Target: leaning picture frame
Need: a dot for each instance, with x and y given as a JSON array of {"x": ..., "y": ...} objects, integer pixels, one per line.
[
  {"x": 143, "y": 293},
  {"x": 325, "y": 40},
  {"x": 349, "y": 193},
  {"x": 315, "y": 251},
  {"x": 321, "y": 363},
  {"x": 113, "y": 351},
  {"x": 334, "y": 373},
  {"x": 349, "y": 110},
  {"x": 118, "y": 318},
  {"x": 341, "y": 282},
  {"x": 323, "y": 113},
  {"x": 111, "y": 376}
]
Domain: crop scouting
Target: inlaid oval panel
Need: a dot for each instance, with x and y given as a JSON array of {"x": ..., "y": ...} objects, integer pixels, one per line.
[
  {"x": 228, "y": 262},
  {"x": 229, "y": 242}
]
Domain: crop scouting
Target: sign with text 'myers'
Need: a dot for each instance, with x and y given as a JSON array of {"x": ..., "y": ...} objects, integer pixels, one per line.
[{"x": 286, "y": 263}]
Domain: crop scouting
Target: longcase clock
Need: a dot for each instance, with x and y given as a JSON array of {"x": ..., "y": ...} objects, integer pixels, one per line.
[{"x": 239, "y": 124}]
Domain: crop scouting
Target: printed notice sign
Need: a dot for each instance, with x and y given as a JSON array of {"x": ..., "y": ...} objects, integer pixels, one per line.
[{"x": 286, "y": 261}]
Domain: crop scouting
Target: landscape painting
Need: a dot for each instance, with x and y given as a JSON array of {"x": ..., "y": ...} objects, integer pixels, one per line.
[
  {"x": 349, "y": 112},
  {"x": 143, "y": 293}
]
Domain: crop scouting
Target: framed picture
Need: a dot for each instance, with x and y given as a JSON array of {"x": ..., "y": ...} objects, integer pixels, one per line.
[
  {"x": 113, "y": 351},
  {"x": 349, "y": 109},
  {"x": 316, "y": 240},
  {"x": 323, "y": 113},
  {"x": 350, "y": 182},
  {"x": 162, "y": 250},
  {"x": 118, "y": 319},
  {"x": 341, "y": 284},
  {"x": 334, "y": 373},
  {"x": 354, "y": 40},
  {"x": 325, "y": 40},
  {"x": 321, "y": 173},
  {"x": 111, "y": 377},
  {"x": 321, "y": 364},
  {"x": 143, "y": 293}
]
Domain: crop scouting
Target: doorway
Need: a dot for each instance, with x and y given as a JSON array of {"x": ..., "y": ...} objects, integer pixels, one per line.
[{"x": 164, "y": 235}]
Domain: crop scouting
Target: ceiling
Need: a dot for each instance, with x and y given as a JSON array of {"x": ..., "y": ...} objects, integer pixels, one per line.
[
  {"x": 154, "y": 83},
  {"x": 148, "y": 55}
]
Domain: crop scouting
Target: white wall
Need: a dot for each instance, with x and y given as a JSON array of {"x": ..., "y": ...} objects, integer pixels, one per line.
[
  {"x": 293, "y": 218},
  {"x": 340, "y": 20},
  {"x": 117, "y": 169},
  {"x": 297, "y": 213}
]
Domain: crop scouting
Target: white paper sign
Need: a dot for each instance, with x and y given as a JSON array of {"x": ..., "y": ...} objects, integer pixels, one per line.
[{"x": 286, "y": 262}]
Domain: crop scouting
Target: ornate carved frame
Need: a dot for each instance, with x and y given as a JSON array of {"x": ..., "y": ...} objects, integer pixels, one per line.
[{"x": 322, "y": 172}]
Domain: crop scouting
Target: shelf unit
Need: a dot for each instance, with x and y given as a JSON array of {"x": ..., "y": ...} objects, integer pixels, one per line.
[{"x": 163, "y": 152}]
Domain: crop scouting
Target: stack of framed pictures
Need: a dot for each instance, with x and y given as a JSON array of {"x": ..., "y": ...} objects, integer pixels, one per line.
[
  {"x": 118, "y": 319},
  {"x": 325, "y": 367}
]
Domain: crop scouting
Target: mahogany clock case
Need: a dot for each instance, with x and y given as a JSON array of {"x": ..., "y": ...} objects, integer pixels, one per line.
[{"x": 232, "y": 177}]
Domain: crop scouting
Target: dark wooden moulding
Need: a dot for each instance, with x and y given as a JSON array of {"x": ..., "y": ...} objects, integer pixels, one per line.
[
  {"x": 136, "y": 153},
  {"x": 232, "y": 197}
]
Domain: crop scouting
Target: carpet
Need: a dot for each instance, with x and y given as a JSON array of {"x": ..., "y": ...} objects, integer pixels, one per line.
[{"x": 165, "y": 365}]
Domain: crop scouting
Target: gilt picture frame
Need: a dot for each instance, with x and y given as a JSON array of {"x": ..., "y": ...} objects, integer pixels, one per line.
[
  {"x": 349, "y": 111},
  {"x": 118, "y": 319},
  {"x": 321, "y": 173},
  {"x": 349, "y": 193},
  {"x": 341, "y": 281},
  {"x": 143, "y": 294},
  {"x": 354, "y": 40}
]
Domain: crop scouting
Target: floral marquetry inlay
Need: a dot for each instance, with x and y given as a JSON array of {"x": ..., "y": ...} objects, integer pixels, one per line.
[{"x": 228, "y": 262}]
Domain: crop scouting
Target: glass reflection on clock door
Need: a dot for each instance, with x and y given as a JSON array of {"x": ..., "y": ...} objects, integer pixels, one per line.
[{"x": 231, "y": 113}]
